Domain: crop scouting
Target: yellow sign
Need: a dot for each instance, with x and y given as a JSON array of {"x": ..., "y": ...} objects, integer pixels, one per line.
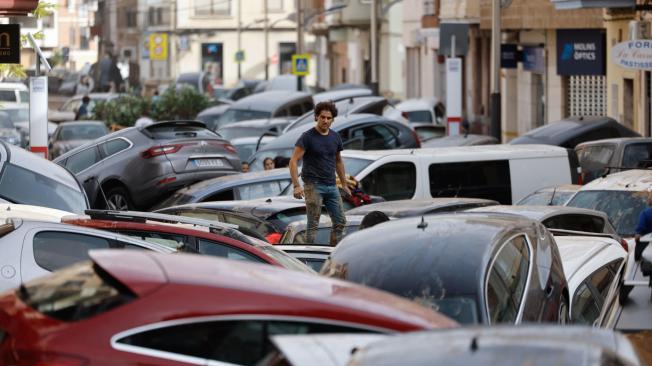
[
  {"x": 158, "y": 46},
  {"x": 300, "y": 64}
]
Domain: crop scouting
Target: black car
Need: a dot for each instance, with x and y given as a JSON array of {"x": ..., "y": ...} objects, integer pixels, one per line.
[
  {"x": 573, "y": 131},
  {"x": 275, "y": 213},
  {"x": 358, "y": 132},
  {"x": 474, "y": 268},
  {"x": 137, "y": 167}
]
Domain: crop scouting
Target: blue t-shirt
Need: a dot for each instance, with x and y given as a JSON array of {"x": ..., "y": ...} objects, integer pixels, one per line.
[
  {"x": 320, "y": 156},
  {"x": 644, "y": 222}
]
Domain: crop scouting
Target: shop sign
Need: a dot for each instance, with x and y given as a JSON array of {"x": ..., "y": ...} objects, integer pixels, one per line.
[
  {"x": 581, "y": 52},
  {"x": 635, "y": 55}
]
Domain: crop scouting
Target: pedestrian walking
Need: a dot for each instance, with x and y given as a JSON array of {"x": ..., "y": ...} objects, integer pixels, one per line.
[
  {"x": 320, "y": 148},
  {"x": 83, "y": 111},
  {"x": 644, "y": 227}
]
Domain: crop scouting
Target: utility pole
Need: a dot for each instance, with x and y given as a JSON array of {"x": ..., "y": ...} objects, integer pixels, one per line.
[
  {"x": 495, "y": 68},
  {"x": 239, "y": 36},
  {"x": 299, "y": 39},
  {"x": 374, "y": 45},
  {"x": 266, "y": 40}
]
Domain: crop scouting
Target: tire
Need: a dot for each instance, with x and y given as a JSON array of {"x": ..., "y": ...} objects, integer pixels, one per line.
[
  {"x": 118, "y": 199},
  {"x": 563, "y": 317}
]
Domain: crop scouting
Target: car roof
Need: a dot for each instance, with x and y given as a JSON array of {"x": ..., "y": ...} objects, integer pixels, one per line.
[
  {"x": 29, "y": 212},
  {"x": 268, "y": 100},
  {"x": 560, "y": 188},
  {"x": 290, "y": 137},
  {"x": 238, "y": 179},
  {"x": 258, "y": 123},
  {"x": 459, "y": 140},
  {"x": 560, "y": 132},
  {"x": 133, "y": 268},
  {"x": 582, "y": 255},
  {"x": 336, "y": 95},
  {"x": 628, "y": 180},
  {"x": 260, "y": 208},
  {"x": 616, "y": 141},
  {"x": 81, "y": 123},
  {"x": 417, "y": 104},
  {"x": 471, "y": 153},
  {"x": 437, "y": 239},
  {"x": 402, "y": 208},
  {"x": 539, "y": 213}
]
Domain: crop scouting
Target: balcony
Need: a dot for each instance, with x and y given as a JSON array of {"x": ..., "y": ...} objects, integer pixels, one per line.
[{"x": 585, "y": 4}]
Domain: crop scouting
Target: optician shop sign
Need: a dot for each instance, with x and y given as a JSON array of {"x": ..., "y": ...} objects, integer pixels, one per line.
[
  {"x": 581, "y": 52},
  {"x": 635, "y": 54}
]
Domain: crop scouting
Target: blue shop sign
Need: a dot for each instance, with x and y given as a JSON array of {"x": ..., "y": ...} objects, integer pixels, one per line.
[{"x": 534, "y": 60}]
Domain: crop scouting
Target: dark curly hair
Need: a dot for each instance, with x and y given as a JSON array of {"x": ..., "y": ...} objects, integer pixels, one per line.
[{"x": 327, "y": 105}]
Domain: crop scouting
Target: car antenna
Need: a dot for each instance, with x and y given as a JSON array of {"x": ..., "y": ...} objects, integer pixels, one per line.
[
  {"x": 552, "y": 197},
  {"x": 106, "y": 201},
  {"x": 423, "y": 224}
]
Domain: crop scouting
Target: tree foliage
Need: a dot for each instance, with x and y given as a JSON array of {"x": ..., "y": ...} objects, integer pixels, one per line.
[
  {"x": 122, "y": 111},
  {"x": 181, "y": 103}
]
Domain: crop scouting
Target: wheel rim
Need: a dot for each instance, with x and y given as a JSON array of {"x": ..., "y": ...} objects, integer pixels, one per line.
[{"x": 118, "y": 202}]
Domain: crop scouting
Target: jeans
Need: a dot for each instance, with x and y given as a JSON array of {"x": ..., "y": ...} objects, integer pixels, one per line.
[{"x": 316, "y": 194}]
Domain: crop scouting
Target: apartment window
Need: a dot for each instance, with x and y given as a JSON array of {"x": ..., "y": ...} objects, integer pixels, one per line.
[
  {"x": 72, "y": 36},
  {"x": 275, "y": 5},
  {"x": 132, "y": 18},
  {"x": 212, "y": 7}
]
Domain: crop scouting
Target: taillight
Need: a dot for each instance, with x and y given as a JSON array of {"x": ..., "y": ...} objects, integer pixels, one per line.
[
  {"x": 160, "y": 150},
  {"x": 36, "y": 358},
  {"x": 623, "y": 243},
  {"x": 230, "y": 148},
  {"x": 273, "y": 238},
  {"x": 580, "y": 179},
  {"x": 416, "y": 137}
]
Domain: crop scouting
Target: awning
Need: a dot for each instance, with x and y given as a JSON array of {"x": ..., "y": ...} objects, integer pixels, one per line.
[{"x": 585, "y": 4}]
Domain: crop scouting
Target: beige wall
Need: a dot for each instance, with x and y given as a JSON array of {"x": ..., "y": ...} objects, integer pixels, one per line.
[
  {"x": 540, "y": 14},
  {"x": 460, "y": 9}
]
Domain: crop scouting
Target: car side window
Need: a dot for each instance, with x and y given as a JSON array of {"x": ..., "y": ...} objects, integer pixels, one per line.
[
  {"x": 55, "y": 249},
  {"x": 296, "y": 110},
  {"x": 507, "y": 278},
  {"x": 586, "y": 307},
  {"x": 260, "y": 190},
  {"x": 82, "y": 160},
  {"x": 227, "y": 195},
  {"x": 177, "y": 242},
  {"x": 573, "y": 222},
  {"x": 479, "y": 179},
  {"x": 392, "y": 181},
  {"x": 225, "y": 251},
  {"x": 112, "y": 147},
  {"x": 242, "y": 342},
  {"x": 379, "y": 137},
  {"x": 307, "y": 107}
]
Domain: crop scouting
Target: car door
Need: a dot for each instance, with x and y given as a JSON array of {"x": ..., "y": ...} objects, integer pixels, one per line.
[
  {"x": 595, "y": 297},
  {"x": 79, "y": 164}
]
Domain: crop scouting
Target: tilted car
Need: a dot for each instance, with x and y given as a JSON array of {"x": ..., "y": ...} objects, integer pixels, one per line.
[
  {"x": 137, "y": 167},
  {"x": 209, "y": 311},
  {"x": 472, "y": 267},
  {"x": 268, "y": 104},
  {"x": 70, "y": 135}
]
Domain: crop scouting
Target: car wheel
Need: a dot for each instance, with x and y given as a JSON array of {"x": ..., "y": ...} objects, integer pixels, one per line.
[
  {"x": 563, "y": 317},
  {"x": 118, "y": 199}
]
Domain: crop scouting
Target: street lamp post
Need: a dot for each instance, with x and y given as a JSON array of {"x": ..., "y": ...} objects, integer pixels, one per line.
[
  {"x": 299, "y": 39},
  {"x": 266, "y": 40},
  {"x": 495, "y": 67},
  {"x": 239, "y": 37},
  {"x": 374, "y": 45}
]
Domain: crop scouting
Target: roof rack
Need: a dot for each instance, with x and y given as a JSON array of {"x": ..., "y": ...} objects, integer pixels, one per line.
[{"x": 229, "y": 230}]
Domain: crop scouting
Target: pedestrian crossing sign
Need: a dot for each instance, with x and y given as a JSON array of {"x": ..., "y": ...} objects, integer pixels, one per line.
[{"x": 301, "y": 64}]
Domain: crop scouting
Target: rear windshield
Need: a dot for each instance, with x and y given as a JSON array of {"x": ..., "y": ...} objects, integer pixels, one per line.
[
  {"x": 622, "y": 207},
  {"x": 169, "y": 132},
  {"x": 419, "y": 116},
  {"x": 19, "y": 185},
  {"x": 237, "y": 115},
  {"x": 74, "y": 293},
  {"x": 82, "y": 132}
]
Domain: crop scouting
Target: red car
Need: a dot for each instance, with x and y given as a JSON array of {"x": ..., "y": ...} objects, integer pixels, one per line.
[
  {"x": 194, "y": 239},
  {"x": 141, "y": 308}
]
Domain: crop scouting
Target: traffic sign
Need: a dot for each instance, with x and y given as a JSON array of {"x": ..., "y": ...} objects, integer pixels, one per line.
[
  {"x": 158, "y": 46},
  {"x": 301, "y": 64},
  {"x": 239, "y": 57}
]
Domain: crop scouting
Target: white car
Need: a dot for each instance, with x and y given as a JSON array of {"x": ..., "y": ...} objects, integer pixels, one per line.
[
  {"x": 313, "y": 256},
  {"x": 593, "y": 267},
  {"x": 14, "y": 92},
  {"x": 31, "y": 249},
  {"x": 417, "y": 110},
  {"x": 29, "y": 212}
]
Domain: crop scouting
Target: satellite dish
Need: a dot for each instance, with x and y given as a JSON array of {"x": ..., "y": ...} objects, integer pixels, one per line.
[{"x": 505, "y": 3}]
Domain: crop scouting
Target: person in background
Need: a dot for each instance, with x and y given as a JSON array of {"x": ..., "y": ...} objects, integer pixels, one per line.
[
  {"x": 245, "y": 167},
  {"x": 86, "y": 85},
  {"x": 644, "y": 227},
  {"x": 144, "y": 120},
  {"x": 268, "y": 163},
  {"x": 82, "y": 111}
]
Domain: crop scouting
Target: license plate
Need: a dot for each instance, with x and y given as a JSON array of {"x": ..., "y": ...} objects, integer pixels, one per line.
[{"x": 208, "y": 162}]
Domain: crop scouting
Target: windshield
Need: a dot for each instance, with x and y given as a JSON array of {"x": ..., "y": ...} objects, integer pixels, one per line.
[
  {"x": 82, "y": 132},
  {"x": 622, "y": 207},
  {"x": 238, "y": 132},
  {"x": 419, "y": 116},
  {"x": 543, "y": 199},
  {"x": 285, "y": 259},
  {"x": 460, "y": 309},
  {"x": 18, "y": 115},
  {"x": 237, "y": 115},
  {"x": 19, "y": 185},
  {"x": 353, "y": 166}
]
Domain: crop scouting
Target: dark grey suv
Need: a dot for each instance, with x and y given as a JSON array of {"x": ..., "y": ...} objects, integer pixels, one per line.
[{"x": 136, "y": 167}]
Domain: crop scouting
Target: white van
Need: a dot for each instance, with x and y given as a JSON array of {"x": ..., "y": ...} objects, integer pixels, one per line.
[{"x": 505, "y": 173}]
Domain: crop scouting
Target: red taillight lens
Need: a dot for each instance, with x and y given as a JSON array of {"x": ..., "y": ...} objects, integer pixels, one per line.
[
  {"x": 230, "y": 148},
  {"x": 624, "y": 244},
  {"x": 273, "y": 238},
  {"x": 416, "y": 137},
  {"x": 580, "y": 179},
  {"x": 160, "y": 150}
]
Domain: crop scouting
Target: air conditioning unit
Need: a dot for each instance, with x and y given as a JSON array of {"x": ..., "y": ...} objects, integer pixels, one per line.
[{"x": 639, "y": 30}]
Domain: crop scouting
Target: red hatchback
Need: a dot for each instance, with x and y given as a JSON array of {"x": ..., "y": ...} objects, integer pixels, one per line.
[
  {"x": 141, "y": 308},
  {"x": 194, "y": 239}
]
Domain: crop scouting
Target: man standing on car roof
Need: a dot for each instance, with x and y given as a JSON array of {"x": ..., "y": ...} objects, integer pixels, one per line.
[
  {"x": 320, "y": 149},
  {"x": 643, "y": 227}
]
